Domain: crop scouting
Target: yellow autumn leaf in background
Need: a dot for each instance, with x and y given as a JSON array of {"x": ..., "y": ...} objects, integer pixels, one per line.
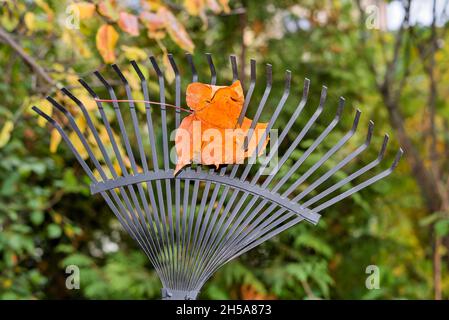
[
  {"x": 55, "y": 139},
  {"x": 134, "y": 53},
  {"x": 5, "y": 133},
  {"x": 106, "y": 40},
  {"x": 85, "y": 9}
]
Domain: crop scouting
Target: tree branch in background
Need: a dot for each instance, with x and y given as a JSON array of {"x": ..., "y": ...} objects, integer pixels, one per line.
[{"x": 30, "y": 61}]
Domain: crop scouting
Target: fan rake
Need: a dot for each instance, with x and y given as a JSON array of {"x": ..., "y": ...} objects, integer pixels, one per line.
[{"x": 191, "y": 224}]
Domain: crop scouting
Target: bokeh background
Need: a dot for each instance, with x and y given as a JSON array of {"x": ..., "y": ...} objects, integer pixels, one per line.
[{"x": 388, "y": 58}]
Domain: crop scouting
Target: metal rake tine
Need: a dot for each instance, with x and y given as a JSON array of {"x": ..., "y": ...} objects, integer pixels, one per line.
[
  {"x": 149, "y": 119},
  {"x": 66, "y": 139},
  {"x": 80, "y": 135},
  {"x": 163, "y": 112},
  {"x": 247, "y": 169},
  {"x": 250, "y": 91},
  {"x": 141, "y": 152},
  {"x": 177, "y": 88},
  {"x": 177, "y": 226},
  {"x": 83, "y": 164},
  {"x": 164, "y": 140},
  {"x": 340, "y": 165},
  {"x": 261, "y": 105},
  {"x": 286, "y": 129},
  {"x": 152, "y": 139},
  {"x": 363, "y": 184},
  {"x": 351, "y": 177},
  {"x": 323, "y": 159},
  {"x": 192, "y": 67},
  {"x": 135, "y": 123},
  {"x": 254, "y": 199},
  {"x": 235, "y": 73},
  {"x": 194, "y": 253},
  {"x": 93, "y": 130},
  {"x": 299, "y": 138},
  {"x": 275, "y": 115},
  {"x": 128, "y": 151},
  {"x": 213, "y": 72},
  {"x": 120, "y": 120}
]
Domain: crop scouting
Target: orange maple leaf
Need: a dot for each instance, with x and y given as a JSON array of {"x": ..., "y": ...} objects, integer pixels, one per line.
[{"x": 211, "y": 135}]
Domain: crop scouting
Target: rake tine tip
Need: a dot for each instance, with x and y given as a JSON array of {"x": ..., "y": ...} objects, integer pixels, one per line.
[
  {"x": 119, "y": 73},
  {"x": 57, "y": 105},
  {"x": 384, "y": 147},
  {"x": 138, "y": 71},
  {"x": 397, "y": 158},
  {"x": 43, "y": 114}
]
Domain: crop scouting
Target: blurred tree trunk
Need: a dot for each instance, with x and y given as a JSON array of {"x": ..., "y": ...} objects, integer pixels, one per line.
[{"x": 426, "y": 165}]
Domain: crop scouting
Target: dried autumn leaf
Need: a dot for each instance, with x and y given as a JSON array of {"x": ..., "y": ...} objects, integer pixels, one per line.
[
  {"x": 106, "y": 40},
  {"x": 128, "y": 23},
  {"x": 212, "y": 135}
]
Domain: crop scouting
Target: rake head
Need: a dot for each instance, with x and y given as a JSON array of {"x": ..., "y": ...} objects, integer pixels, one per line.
[{"x": 191, "y": 224}]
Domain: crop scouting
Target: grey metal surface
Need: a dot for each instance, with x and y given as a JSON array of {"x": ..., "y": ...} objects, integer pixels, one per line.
[{"x": 192, "y": 224}]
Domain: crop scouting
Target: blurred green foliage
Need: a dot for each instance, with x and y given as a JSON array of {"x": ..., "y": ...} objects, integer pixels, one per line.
[{"x": 48, "y": 220}]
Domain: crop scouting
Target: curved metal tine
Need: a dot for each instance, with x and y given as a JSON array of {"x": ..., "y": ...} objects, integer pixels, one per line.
[
  {"x": 211, "y": 243},
  {"x": 277, "y": 111},
  {"x": 183, "y": 248},
  {"x": 266, "y": 237},
  {"x": 130, "y": 155},
  {"x": 105, "y": 120},
  {"x": 247, "y": 168},
  {"x": 356, "y": 174},
  {"x": 292, "y": 147},
  {"x": 90, "y": 174},
  {"x": 80, "y": 135},
  {"x": 192, "y": 67},
  {"x": 320, "y": 162},
  {"x": 194, "y": 251},
  {"x": 205, "y": 238},
  {"x": 340, "y": 165},
  {"x": 213, "y": 72},
  {"x": 362, "y": 185},
  {"x": 163, "y": 112},
  {"x": 177, "y": 89},
  {"x": 133, "y": 116},
  {"x": 152, "y": 138},
  {"x": 255, "y": 179},
  {"x": 142, "y": 221},
  {"x": 141, "y": 152},
  {"x": 351, "y": 177},
  {"x": 299, "y": 138},
  {"x": 166, "y": 153},
  {"x": 235, "y": 73},
  {"x": 123, "y": 168},
  {"x": 316, "y": 198},
  {"x": 261, "y": 106},
  {"x": 250, "y": 91},
  {"x": 94, "y": 131},
  {"x": 177, "y": 226},
  {"x": 288, "y": 126},
  {"x": 119, "y": 119},
  {"x": 144, "y": 86},
  {"x": 86, "y": 146}
]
